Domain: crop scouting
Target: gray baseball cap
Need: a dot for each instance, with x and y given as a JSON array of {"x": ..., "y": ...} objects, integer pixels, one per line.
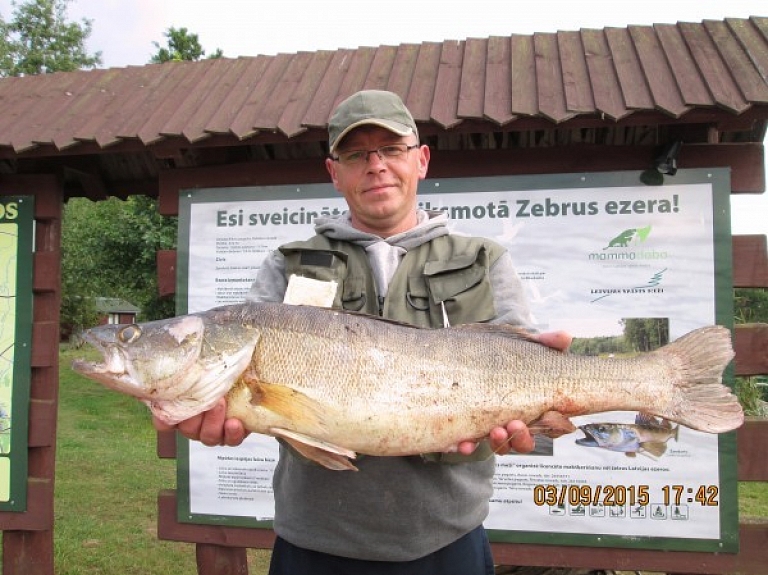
[{"x": 370, "y": 107}]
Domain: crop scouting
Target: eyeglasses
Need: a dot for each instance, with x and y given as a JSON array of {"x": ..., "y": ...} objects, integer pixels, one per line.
[{"x": 386, "y": 153}]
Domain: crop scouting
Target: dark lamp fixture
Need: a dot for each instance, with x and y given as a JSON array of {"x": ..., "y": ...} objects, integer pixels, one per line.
[{"x": 664, "y": 164}]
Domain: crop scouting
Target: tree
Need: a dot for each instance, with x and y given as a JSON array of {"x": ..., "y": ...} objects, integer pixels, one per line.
[
  {"x": 646, "y": 334},
  {"x": 181, "y": 46},
  {"x": 39, "y": 40},
  {"x": 108, "y": 250}
]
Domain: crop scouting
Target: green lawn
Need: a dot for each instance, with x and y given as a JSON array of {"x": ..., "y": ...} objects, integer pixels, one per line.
[
  {"x": 108, "y": 476},
  {"x": 107, "y": 479}
]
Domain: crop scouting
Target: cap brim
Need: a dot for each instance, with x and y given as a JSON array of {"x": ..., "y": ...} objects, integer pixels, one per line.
[{"x": 394, "y": 127}]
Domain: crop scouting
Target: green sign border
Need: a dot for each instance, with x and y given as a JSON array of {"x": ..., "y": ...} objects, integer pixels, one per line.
[{"x": 22, "y": 353}]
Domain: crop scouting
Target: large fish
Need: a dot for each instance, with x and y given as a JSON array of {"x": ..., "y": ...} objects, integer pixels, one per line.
[{"x": 334, "y": 384}]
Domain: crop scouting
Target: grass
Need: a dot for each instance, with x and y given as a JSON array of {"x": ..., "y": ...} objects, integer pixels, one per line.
[
  {"x": 108, "y": 476},
  {"x": 107, "y": 479},
  {"x": 753, "y": 501}
]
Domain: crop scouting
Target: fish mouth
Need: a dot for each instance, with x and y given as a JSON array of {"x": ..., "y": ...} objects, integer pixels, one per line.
[
  {"x": 589, "y": 439},
  {"x": 106, "y": 374},
  {"x": 112, "y": 371}
]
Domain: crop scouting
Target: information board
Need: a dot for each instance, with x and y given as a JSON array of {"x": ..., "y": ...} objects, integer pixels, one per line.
[
  {"x": 16, "y": 246},
  {"x": 595, "y": 252}
]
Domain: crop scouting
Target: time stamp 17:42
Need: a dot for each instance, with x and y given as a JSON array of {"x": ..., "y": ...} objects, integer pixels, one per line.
[{"x": 619, "y": 495}]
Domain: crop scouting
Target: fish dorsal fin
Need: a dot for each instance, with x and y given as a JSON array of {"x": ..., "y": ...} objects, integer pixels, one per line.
[
  {"x": 326, "y": 454},
  {"x": 289, "y": 403},
  {"x": 650, "y": 421}
]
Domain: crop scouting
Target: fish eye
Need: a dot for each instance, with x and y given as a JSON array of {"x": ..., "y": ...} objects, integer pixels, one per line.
[{"x": 129, "y": 333}]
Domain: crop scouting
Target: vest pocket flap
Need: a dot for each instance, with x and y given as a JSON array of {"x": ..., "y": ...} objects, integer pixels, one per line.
[
  {"x": 458, "y": 261},
  {"x": 313, "y": 257},
  {"x": 353, "y": 296},
  {"x": 456, "y": 276}
]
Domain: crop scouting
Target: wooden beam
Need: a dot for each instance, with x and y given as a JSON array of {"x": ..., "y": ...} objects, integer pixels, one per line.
[
  {"x": 751, "y": 345},
  {"x": 746, "y": 161},
  {"x": 166, "y": 272},
  {"x": 750, "y": 261},
  {"x": 752, "y": 435}
]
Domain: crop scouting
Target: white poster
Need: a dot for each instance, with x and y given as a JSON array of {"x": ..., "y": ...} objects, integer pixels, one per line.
[{"x": 590, "y": 259}]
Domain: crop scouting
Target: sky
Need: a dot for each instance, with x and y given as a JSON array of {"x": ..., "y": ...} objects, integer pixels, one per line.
[{"x": 124, "y": 30}]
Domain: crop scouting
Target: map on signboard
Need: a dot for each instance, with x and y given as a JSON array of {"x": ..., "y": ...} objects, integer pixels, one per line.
[{"x": 8, "y": 269}]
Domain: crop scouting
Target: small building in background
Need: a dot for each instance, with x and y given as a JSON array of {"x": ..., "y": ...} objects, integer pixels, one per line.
[{"x": 115, "y": 310}]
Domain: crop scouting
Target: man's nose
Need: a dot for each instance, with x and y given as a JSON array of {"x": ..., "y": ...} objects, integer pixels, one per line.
[{"x": 374, "y": 159}]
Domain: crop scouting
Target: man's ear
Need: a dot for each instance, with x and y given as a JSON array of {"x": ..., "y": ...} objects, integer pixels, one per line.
[
  {"x": 330, "y": 165},
  {"x": 423, "y": 161}
]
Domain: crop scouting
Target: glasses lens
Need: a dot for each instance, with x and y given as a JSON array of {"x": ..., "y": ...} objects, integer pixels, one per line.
[
  {"x": 359, "y": 157},
  {"x": 392, "y": 151},
  {"x": 353, "y": 158}
]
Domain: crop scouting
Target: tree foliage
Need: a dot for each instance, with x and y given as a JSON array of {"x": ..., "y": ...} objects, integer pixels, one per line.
[
  {"x": 646, "y": 334},
  {"x": 39, "y": 39},
  {"x": 109, "y": 250},
  {"x": 181, "y": 46}
]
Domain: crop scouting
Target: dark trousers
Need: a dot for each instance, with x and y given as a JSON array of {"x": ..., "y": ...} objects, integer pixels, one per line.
[{"x": 470, "y": 555}]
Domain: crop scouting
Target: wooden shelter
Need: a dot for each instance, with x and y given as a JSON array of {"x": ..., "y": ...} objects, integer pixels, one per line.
[{"x": 572, "y": 101}]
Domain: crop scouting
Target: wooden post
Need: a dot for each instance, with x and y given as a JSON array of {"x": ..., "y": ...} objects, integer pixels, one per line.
[{"x": 28, "y": 536}]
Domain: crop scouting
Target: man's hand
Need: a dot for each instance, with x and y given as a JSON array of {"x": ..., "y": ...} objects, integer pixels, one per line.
[
  {"x": 515, "y": 436},
  {"x": 210, "y": 428}
]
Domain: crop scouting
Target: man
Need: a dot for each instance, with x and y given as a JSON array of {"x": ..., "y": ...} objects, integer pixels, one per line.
[{"x": 397, "y": 515}]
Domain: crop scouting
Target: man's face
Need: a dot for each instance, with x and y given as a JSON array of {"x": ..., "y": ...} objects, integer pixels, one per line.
[{"x": 381, "y": 194}]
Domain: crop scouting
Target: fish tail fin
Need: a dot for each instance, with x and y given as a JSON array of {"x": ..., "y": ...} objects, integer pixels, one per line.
[{"x": 703, "y": 402}]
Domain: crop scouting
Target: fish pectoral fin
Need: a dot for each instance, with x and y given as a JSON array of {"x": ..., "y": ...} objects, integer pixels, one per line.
[
  {"x": 289, "y": 403},
  {"x": 552, "y": 424},
  {"x": 321, "y": 452},
  {"x": 654, "y": 448}
]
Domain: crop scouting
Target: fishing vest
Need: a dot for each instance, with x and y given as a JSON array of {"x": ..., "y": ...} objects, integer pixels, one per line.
[{"x": 445, "y": 278}]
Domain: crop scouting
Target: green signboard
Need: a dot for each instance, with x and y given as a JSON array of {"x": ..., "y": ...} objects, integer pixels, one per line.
[{"x": 16, "y": 246}]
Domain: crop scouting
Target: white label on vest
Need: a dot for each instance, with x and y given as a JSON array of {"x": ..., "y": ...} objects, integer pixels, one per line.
[{"x": 306, "y": 291}]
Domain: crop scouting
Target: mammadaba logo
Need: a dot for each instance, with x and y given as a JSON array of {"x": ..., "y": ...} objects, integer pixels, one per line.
[{"x": 627, "y": 246}]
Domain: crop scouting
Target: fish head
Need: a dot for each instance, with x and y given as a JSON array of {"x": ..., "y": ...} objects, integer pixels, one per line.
[
  {"x": 612, "y": 436},
  {"x": 144, "y": 360},
  {"x": 179, "y": 366}
]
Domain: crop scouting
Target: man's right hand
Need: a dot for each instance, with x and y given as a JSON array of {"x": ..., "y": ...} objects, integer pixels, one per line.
[{"x": 210, "y": 427}]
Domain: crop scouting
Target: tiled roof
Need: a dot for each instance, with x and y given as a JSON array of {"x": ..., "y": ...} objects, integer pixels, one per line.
[{"x": 609, "y": 74}]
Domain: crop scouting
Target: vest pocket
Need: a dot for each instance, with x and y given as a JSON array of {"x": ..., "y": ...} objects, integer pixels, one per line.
[
  {"x": 353, "y": 296},
  {"x": 463, "y": 286}
]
